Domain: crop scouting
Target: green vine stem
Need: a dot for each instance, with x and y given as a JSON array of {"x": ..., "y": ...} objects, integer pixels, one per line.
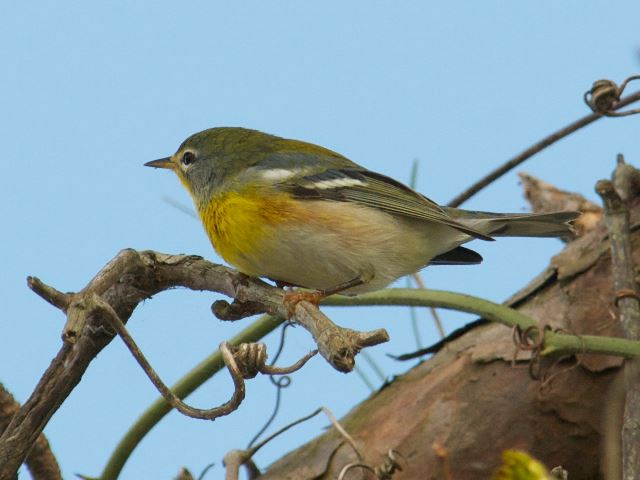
[{"x": 553, "y": 342}]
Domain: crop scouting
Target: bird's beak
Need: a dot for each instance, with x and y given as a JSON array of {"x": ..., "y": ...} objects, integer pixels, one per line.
[{"x": 161, "y": 163}]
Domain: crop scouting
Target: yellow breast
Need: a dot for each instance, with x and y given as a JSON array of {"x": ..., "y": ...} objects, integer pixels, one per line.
[{"x": 239, "y": 223}]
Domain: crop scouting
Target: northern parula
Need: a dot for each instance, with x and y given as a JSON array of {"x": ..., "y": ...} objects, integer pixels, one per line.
[{"x": 303, "y": 215}]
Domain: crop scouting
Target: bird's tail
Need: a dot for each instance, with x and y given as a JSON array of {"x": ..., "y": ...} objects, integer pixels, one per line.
[{"x": 557, "y": 224}]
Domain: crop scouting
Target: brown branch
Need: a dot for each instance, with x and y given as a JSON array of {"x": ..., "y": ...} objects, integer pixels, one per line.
[
  {"x": 628, "y": 302},
  {"x": 50, "y": 294},
  {"x": 168, "y": 395},
  {"x": 337, "y": 345},
  {"x": 128, "y": 279},
  {"x": 41, "y": 462},
  {"x": 535, "y": 148}
]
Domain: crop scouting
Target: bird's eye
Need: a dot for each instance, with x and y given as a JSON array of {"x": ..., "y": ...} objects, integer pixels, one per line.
[{"x": 188, "y": 158}]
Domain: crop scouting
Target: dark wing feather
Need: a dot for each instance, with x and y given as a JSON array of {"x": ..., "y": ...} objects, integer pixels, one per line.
[
  {"x": 457, "y": 256},
  {"x": 377, "y": 191}
]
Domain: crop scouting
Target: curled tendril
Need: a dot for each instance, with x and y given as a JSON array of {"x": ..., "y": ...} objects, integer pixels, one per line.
[
  {"x": 252, "y": 359},
  {"x": 390, "y": 466},
  {"x": 604, "y": 95}
]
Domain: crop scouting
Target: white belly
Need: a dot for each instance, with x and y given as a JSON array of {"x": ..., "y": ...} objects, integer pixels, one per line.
[{"x": 340, "y": 241}]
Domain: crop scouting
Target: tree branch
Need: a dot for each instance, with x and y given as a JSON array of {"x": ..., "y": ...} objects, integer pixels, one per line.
[{"x": 125, "y": 281}]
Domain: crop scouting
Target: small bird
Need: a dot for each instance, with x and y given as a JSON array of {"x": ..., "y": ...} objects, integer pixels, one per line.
[{"x": 303, "y": 215}]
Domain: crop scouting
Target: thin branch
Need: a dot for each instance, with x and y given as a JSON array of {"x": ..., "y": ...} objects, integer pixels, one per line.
[
  {"x": 54, "y": 297},
  {"x": 262, "y": 443},
  {"x": 628, "y": 302},
  {"x": 536, "y": 148},
  {"x": 336, "y": 344},
  {"x": 169, "y": 396},
  {"x": 349, "y": 439}
]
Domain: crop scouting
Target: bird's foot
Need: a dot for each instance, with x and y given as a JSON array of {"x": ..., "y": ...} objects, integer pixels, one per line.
[{"x": 293, "y": 297}]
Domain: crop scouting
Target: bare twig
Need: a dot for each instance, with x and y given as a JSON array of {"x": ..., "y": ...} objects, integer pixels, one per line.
[
  {"x": 50, "y": 294},
  {"x": 628, "y": 302},
  {"x": 342, "y": 431},
  {"x": 337, "y": 345},
  {"x": 169, "y": 396},
  {"x": 535, "y": 148}
]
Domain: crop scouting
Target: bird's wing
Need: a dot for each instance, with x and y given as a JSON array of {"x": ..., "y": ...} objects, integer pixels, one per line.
[{"x": 373, "y": 190}]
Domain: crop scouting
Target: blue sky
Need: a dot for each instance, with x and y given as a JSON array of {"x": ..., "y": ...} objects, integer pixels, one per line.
[{"x": 90, "y": 91}]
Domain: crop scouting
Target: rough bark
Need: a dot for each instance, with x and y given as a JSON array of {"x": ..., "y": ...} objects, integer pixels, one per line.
[
  {"x": 40, "y": 461},
  {"x": 470, "y": 401}
]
